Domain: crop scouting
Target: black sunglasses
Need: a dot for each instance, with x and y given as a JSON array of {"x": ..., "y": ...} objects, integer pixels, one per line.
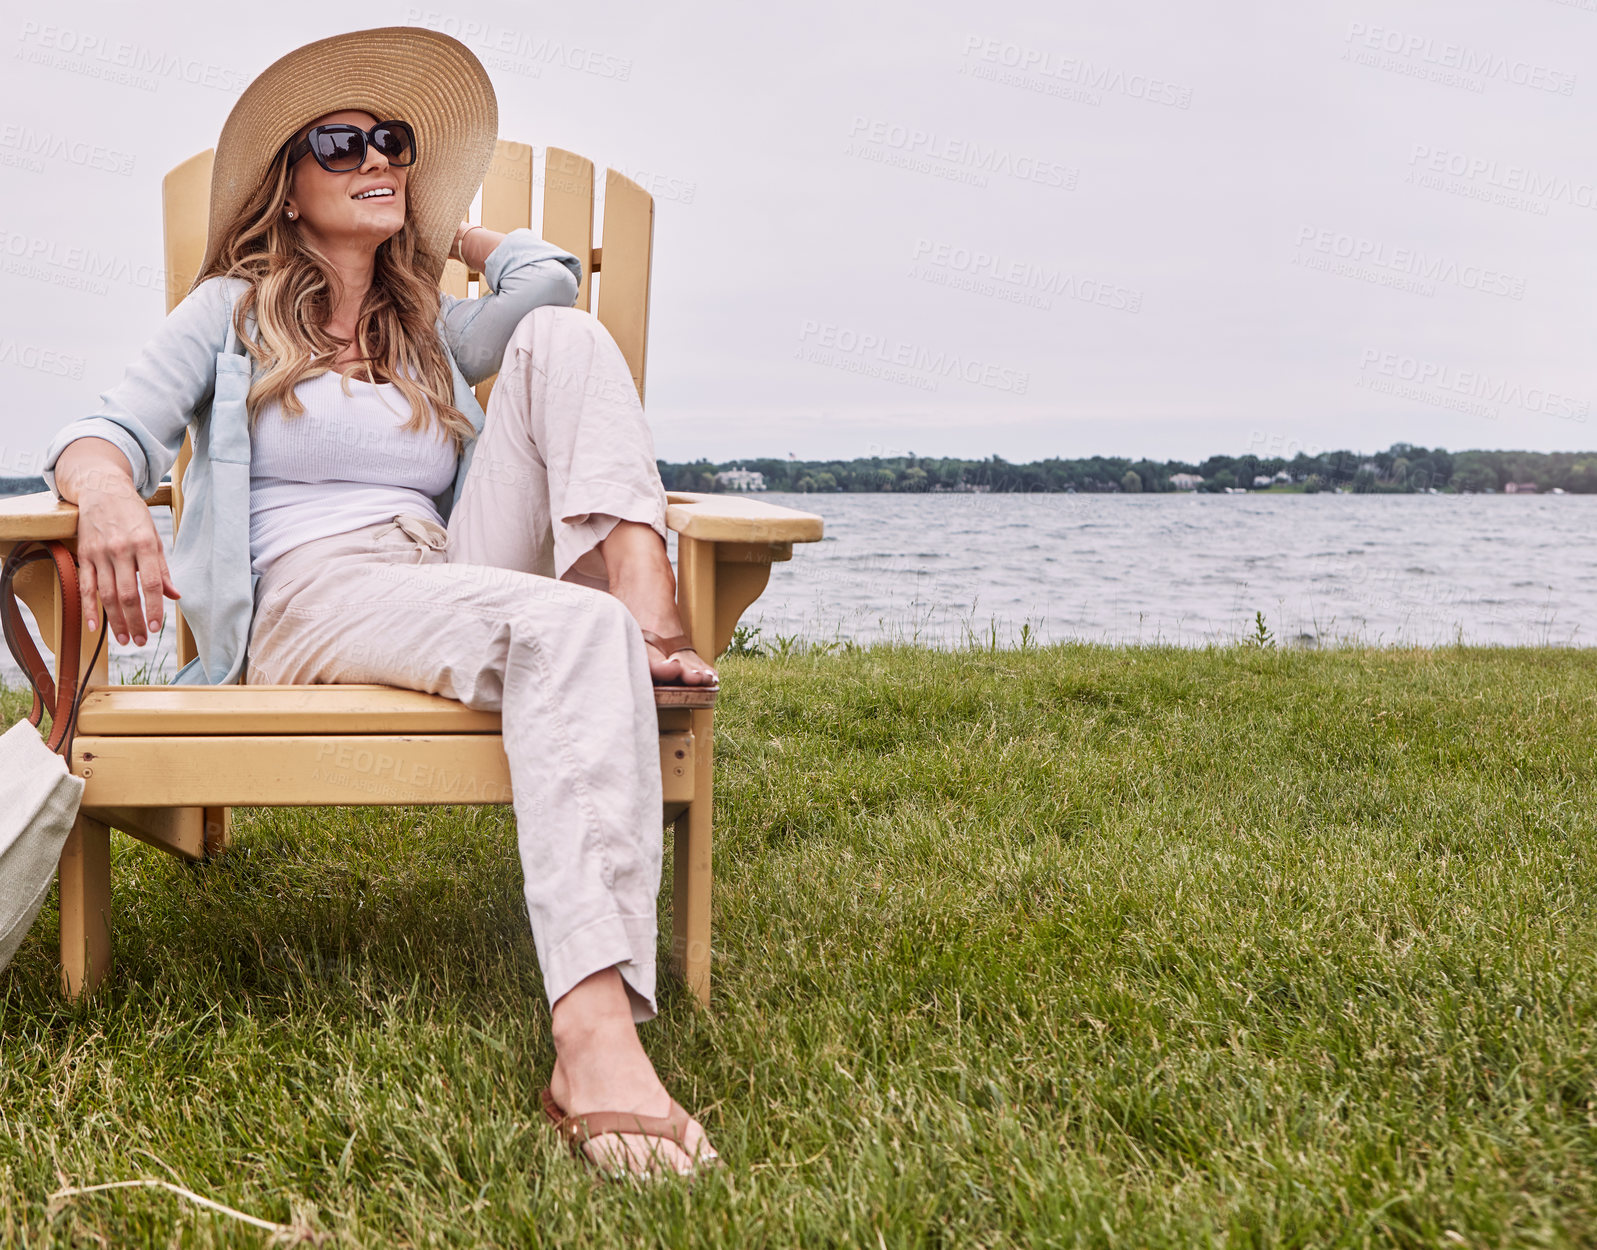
[{"x": 339, "y": 148}]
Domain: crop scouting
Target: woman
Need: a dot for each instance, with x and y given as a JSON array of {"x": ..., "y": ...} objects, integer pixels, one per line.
[{"x": 351, "y": 515}]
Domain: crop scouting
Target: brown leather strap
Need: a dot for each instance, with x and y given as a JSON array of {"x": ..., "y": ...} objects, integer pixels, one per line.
[
  {"x": 64, "y": 698},
  {"x": 17, "y": 638},
  {"x": 578, "y": 1129},
  {"x": 669, "y": 646}
]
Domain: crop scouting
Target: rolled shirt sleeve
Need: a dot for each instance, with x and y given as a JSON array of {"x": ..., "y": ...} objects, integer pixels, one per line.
[
  {"x": 524, "y": 272},
  {"x": 146, "y": 413}
]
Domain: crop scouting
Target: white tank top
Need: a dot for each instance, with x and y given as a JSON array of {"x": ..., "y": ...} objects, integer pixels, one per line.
[{"x": 346, "y": 462}]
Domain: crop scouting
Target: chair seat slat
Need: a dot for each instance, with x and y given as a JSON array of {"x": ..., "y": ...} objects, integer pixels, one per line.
[
  {"x": 308, "y": 768},
  {"x": 324, "y": 709}
]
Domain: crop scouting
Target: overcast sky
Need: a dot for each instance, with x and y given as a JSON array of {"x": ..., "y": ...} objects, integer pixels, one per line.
[{"x": 1065, "y": 228}]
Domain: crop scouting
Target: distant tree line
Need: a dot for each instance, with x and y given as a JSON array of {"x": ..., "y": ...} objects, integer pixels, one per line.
[{"x": 1401, "y": 468}]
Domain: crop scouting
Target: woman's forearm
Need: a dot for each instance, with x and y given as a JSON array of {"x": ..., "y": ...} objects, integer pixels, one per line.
[
  {"x": 478, "y": 243},
  {"x": 528, "y": 272},
  {"x": 88, "y": 465}
]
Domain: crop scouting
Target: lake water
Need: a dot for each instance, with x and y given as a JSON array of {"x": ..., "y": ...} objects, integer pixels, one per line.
[
  {"x": 1192, "y": 569},
  {"x": 1183, "y": 569}
]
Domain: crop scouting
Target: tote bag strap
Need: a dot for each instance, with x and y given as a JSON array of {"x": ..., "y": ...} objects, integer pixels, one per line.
[
  {"x": 65, "y": 699},
  {"x": 234, "y": 344}
]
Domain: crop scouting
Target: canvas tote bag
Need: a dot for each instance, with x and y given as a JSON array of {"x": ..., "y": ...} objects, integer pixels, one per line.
[{"x": 39, "y": 798}]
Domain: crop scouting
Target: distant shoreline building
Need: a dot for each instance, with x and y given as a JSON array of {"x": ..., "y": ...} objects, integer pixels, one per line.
[
  {"x": 739, "y": 479},
  {"x": 1186, "y": 481}
]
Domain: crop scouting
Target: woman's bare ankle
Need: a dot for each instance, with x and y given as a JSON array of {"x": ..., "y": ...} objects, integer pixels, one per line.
[
  {"x": 640, "y": 575},
  {"x": 600, "y": 1065},
  {"x": 597, "y": 1050}
]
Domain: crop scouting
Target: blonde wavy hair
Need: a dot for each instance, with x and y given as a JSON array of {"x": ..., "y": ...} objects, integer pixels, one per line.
[{"x": 291, "y": 290}]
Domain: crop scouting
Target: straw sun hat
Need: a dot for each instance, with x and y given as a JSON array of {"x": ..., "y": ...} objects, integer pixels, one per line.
[{"x": 405, "y": 73}]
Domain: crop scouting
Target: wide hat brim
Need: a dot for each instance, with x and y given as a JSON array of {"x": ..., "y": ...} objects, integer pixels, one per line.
[{"x": 405, "y": 73}]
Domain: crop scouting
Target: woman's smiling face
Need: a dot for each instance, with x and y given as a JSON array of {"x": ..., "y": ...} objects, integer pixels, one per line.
[{"x": 335, "y": 209}]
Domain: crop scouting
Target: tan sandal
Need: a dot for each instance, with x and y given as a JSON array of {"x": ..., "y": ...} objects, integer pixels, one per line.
[
  {"x": 578, "y": 1130},
  {"x": 668, "y": 648}
]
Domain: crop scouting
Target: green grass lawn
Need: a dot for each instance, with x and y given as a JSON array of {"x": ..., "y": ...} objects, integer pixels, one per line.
[{"x": 1076, "y": 946}]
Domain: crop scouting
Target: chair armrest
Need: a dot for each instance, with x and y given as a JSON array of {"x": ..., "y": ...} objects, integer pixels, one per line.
[
  {"x": 724, "y": 561},
  {"x": 42, "y": 515},
  {"x": 738, "y": 519}
]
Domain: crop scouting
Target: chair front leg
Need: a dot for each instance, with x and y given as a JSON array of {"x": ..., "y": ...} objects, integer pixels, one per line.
[
  {"x": 691, "y": 874},
  {"x": 85, "y": 877}
]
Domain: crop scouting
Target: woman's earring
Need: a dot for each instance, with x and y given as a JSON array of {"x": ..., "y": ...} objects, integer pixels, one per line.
[{"x": 292, "y": 214}]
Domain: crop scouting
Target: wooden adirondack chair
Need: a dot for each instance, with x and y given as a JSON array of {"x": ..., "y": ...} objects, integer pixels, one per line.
[{"x": 166, "y": 764}]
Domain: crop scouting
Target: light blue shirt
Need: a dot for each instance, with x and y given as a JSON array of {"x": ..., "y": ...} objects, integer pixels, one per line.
[{"x": 194, "y": 376}]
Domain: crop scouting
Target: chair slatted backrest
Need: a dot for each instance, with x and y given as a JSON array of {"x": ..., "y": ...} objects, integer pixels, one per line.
[{"x": 623, "y": 269}]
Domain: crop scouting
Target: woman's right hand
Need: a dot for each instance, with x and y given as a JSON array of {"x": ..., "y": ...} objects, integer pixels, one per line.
[{"x": 119, "y": 548}]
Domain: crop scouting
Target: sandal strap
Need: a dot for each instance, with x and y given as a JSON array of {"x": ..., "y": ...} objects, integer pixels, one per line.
[
  {"x": 577, "y": 1130},
  {"x": 668, "y": 646}
]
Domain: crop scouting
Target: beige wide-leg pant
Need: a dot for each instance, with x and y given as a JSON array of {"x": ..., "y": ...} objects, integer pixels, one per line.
[{"x": 505, "y": 611}]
